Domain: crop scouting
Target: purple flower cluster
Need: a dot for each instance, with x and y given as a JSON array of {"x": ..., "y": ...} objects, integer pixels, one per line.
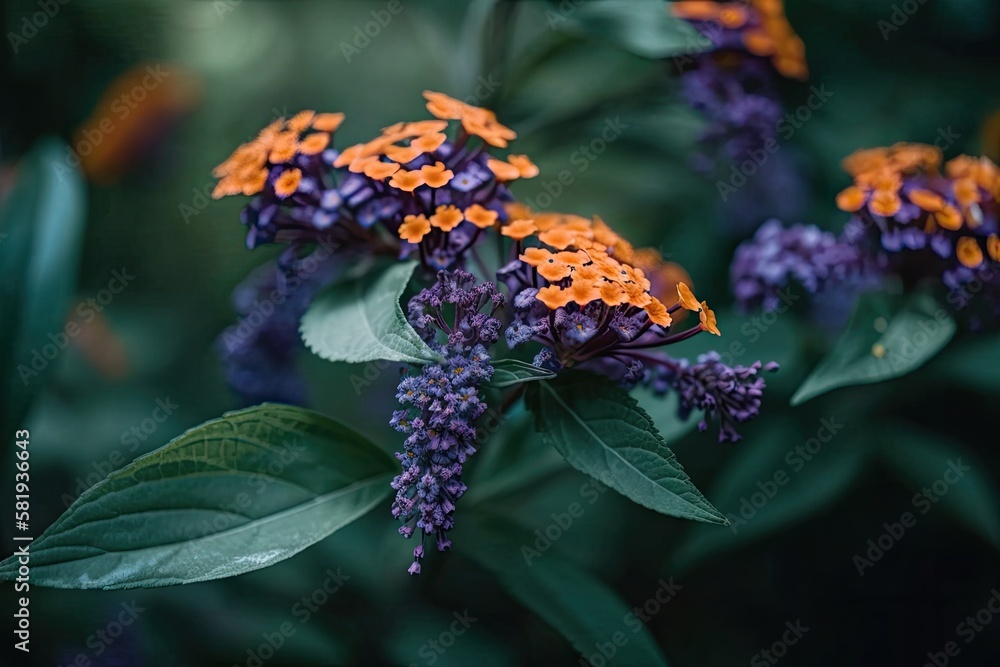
[
  {"x": 260, "y": 350},
  {"x": 739, "y": 102},
  {"x": 728, "y": 395},
  {"x": 777, "y": 256},
  {"x": 442, "y": 404}
]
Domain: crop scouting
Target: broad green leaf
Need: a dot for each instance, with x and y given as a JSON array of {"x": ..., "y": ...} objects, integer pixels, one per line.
[
  {"x": 233, "y": 495},
  {"x": 886, "y": 338},
  {"x": 643, "y": 27},
  {"x": 601, "y": 431},
  {"x": 509, "y": 372},
  {"x": 582, "y": 608},
  {"x": 360, "y": 320},
  {"x": 958, "y": 482},
  {"x": 774, "y": 482},
  {"x": 41, "y": 230}
]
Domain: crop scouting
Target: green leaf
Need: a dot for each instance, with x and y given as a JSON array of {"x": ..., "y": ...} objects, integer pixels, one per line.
[
  {"x": 973, "y": 363},
  {"x": 768, "y": 485},
  {"x": 233, "y": 495},
  {"x": 643, "y": 27},
  {"x": 360, "y": 320},
  {"x": 886, "y": 338},
  {"x": 924, "y": 461},
  {"x": 41, "y": 230},
  {"x": 601, "y": 431},
  {"x": 581, "y": 608},
  {"x": 509, "y": 372}
]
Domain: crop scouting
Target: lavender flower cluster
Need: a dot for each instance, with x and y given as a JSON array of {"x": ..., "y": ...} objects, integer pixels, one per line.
[{"x": 442, "y": 405}]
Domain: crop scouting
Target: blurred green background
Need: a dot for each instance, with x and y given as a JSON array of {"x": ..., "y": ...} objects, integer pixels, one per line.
[{"x": 558, "y": 82}]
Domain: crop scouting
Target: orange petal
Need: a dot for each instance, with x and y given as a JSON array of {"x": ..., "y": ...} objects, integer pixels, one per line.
[
  {"x": 414, "y": 228},
  {"x": 503, "y": 170},
  {"x": 851, "y": 199},
  {"x": 993, "y": 247},
  {"x": 525, "y": 167},
  {"x": 380, "y": 170},
  {"x": 554, "y": 297},
  {"x": 288, "y": 182},
  {"x": 687, "y": 298},
  {"x": 314, "y": 143},
  {"x": 436, "y": 175},
  {"x": 657, "y": 313},
  {"x": 407, "y": 181},
  {"x": 480, "y": 216},
  {"x": 446, "y": 218},
  {"x": 535, "y": 256},
  {"x": 968, "y": 252},
  {"x": 327, "y": 122},
  {"x": 927, "y": 200},
  {"x": 519, "y": 229},
  {"x": 708, "y": 320},
  {"x": 949, "y": 218}
]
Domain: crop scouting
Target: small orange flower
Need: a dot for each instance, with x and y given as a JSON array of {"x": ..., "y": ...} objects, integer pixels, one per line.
[
  {"x": 288, "y": 182},
  {"x": 255, "y": 182},
  {"x": 503, "y": 171},
  {"x": 480, "y": 216},
  {"x": 421, "y": 127},
  {"x": 519, "y": 229},
  {"x": 414, "y": 228},
  {"x": 536, "y": 256},
  {"x": 708, "y": 321},
  {"x": 993, "y": 247},
  {"x": 446, "y": 218},
  {"x": 554, "y": 297},
  {"x": 407, "y": 181},
  {"x": 885, "y": 203},
  {"x": 966, "y": 191},
  {"x": 403, "y": 154},
  {"x": 314, "y": 143},
  {"x": 483, "y": 125},
  {"x": 583, "y": 292},
  {"x": 283, "y": 148},
  {"x": 436, "y": 175},
  {"x": 687, "y": 298},
  {"x": 612, "y": 293},
  {"x": 968, "y": 252},
  {"x": 559, "y": 238},
  {"x": 443, "y": 106},
  {"x": 349, "y": 155},
  {"x": 657, "y": 313},
  {"x": 949, "y": 218},
  {"x": 429, "y": 142},
  {"x": 927, "y": 200},
  {"x": 852, "y": 199},
  {"x": 380, "y": 170},
  {"x": 359, "y": 165},
  {"x": 636, "y": 295},
  {"x": 300, "y": 122},
  {"x": 525, "y": 167},
  {"x": 327, "y": 122}
]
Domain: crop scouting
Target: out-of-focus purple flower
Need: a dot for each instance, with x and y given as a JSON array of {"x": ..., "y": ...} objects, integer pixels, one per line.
[
  {"x": 442, "y": 404},
  {"x": 777, "y": 257},
  {"x": 259, "y": 352},
  {"x": 727, "y": 395}
]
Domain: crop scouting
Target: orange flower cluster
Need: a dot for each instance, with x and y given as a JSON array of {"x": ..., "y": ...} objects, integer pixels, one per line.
[
  {"x": 765, "y": 30},
  {"x": 585, "y": 261},
  {"x": 403, "y": 143},
  {"x": 950, "y": 203},
  {"x": 247, "y": 169}
]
